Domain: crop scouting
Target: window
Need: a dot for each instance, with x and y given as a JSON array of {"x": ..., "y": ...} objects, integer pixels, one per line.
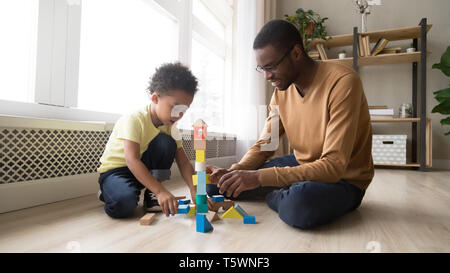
[
  {"x": 18, "y": 32},
  {"x": 122, "y": 42},
  {"x": 99, "y": 55},
  {"x": 203, "y": 14},
  {"x": 208, "y": 102},
  {"x": 210, "y": 54}
]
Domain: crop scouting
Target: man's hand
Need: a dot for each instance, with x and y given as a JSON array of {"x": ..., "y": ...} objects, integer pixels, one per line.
[
  {"x": 167, "y": 201},
  {"x": 216, "y": 173},
  {"x": 237, "y": 181}
]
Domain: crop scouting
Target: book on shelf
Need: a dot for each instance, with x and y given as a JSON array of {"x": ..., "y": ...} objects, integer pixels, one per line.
[
  {"x": 382, "y": 112},
  {"x": 364, "y": 46},
  {"x": 360, "y": 46},
  {"x": 367, "y": 45},
  {"x": 379, "y": 46},
  {"x": 322, "y": 53},
  {"x": 391, "y": 50}
]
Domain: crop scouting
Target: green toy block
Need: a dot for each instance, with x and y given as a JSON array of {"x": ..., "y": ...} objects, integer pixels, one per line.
[
  {"x": 200, "y": 198},
  {"x": 202, "y": 208}
]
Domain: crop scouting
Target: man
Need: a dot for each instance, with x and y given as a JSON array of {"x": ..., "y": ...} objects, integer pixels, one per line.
[{"x": 324, "y": 113}]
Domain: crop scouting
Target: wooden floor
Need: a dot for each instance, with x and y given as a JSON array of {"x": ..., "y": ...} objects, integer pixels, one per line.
[{"x": 403, "y": 211}]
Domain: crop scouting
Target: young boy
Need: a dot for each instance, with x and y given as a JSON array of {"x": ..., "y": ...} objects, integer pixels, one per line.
[{"x": 141, "y": 150}]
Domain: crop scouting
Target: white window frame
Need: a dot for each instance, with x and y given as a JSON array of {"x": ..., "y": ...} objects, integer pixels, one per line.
[{"x": 58, "y": 54}]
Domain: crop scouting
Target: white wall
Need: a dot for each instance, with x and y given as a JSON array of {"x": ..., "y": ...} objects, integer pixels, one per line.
[{"x": 391, "y": 84}]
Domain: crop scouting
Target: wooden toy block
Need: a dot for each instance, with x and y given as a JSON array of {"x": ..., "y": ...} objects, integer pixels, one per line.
[
  {"x": 241, "y": 210},
  {"x": 202, "y": 208},
  {"x": 147, "y": 219},
  {"x": 199, "y": 144},
  {"x": 213, "y": 216},
  {"x": 200, "y": 198},
  {"x": 215, "y": 206},
  {"x": 232, "y": 213},
  {"x": 202, "y": 224},
  {"x": 201, "y": 182},
  {"x": 200, "y": 166},
  {"x": 200, "y": 155},
  {"x": 212, "y": 205},
  {"x": 183, "y": 209},
  {"x": 184, "y": 202},
  {"x": 218, "y": 198},
  {"x": 249, "y": 219},
  {"x": 227, "y": 204},
  {"x": 194, "y": 179},
  {"x": 192, "y": 209},
  {"x": 199, "y": 129}
]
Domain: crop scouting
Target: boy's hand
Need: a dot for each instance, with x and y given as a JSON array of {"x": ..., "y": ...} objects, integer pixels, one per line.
[
  {"x": 167, "y": 201},
  {"x": 193, "y": 195},
  {"x": 216, "y": 173}
]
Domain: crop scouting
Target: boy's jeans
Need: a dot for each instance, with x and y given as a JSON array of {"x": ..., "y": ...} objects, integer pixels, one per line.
[
  {"x": 304, "y": 204},
  {"x": 121, "y": 190}
]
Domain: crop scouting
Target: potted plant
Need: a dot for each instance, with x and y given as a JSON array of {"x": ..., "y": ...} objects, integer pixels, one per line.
[
  {"x": 310, "y": 25},
  {"x": 443, "y": 95},
  {"x": 342, "y": 54},
  {"x": 411, "y": 48}
]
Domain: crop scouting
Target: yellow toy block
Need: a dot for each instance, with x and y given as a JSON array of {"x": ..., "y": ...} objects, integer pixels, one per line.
[
  {"x": 192, "y": 210},
  {"x": 232, "y": 213},
  {"x": 194, "y": 179},
  {"x": 200, "y": 155}
]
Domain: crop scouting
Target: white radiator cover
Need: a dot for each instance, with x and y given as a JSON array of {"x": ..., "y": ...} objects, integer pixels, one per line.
[{"x": 44, "y": 161}]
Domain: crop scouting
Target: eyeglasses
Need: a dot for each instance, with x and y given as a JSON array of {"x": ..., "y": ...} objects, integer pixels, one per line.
[{"x": 271, "y": 68}]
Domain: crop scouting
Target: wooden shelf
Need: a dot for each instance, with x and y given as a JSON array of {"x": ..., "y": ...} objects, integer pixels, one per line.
[
  {"x": 381, "y": 59},
  {"x": 395, "y": 58},
  {"x": 394, "y": 34},
  {"x": 345, "y": 61},
  {"x": 407, "y": 165},
  {"x": 375, "y": 119}
]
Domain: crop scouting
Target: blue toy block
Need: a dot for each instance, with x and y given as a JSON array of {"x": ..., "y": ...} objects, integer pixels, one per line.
[
  {"x": 202, "y": 224},
  {"x": 202, "y": 208},
  {"x": 241, "y": 210},
  {"x": 201, "y": 182},
  {"x": 184, "y": 201},
  {"x": 218, "y": 198},
  {"x": 183, "y": 209},
  {"x": 249, "y": 219}
]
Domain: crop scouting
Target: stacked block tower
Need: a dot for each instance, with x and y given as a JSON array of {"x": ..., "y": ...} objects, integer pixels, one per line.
[{"x": 201, "y": 178}]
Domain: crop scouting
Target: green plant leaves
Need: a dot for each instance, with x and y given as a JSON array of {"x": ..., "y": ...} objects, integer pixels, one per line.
[
  {"x": 444, "y": 65},
  {"x": 302, "y": 19},
  {"x": 442, "y": 94},
  {"x": 442, "y": 108},
  {"x": 445, "y": 121}
]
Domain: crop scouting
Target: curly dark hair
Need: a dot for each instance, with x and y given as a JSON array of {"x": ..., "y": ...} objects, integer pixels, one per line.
[{"x": 170, "y": 76}]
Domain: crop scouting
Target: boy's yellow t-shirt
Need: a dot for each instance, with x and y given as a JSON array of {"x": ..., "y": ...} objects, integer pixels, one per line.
[{"x": 137, "y": 127}]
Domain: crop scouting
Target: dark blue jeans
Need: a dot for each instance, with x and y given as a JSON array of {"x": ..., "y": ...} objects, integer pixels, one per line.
[
  {"x": 121, "y": 190},
  {"x": 304, "y": 204}
]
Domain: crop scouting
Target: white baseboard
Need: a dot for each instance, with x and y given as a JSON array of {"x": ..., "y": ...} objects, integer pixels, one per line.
[{"x": 20, "y": 195}]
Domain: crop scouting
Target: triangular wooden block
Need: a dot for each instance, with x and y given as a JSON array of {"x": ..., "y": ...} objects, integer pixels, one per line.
[
  {"x": 213, "y": 216},
  {"x": 203, "y": 225},
  {"x": 232, "y": 213}
]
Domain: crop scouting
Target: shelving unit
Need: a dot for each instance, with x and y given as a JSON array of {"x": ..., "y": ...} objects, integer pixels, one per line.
[{"x": 421, "y": 125}]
